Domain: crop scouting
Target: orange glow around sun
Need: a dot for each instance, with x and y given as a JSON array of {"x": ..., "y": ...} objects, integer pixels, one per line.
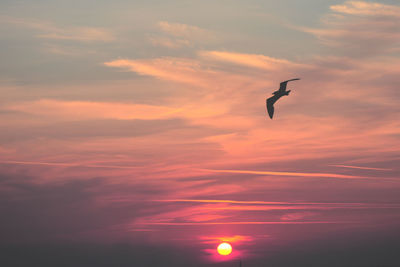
[{"x": 224, "y": 249}]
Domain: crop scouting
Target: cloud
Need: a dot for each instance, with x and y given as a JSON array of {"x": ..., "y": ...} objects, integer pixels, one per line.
[
  {"x": 83, "y": 110},
  {"x": 47, "y": 30},
  {"x": 288, "y": 174},
  {"x": 173, "y": 69},
  {"x": 367, "y": 8},
  {"x": 83, "y": 129},
  {"x": 66, "y": 50},
  {"x": 361, "y": 168},
  {"x": 250, "y": 60},
  {"x": 241, "y": 223},
  {"x": 178, "y": 35},
  {"x": 189, "y": 71},
  {"x": 98, "y": 254},
  {"x": 169, "y": 42},
  {"x": 336, "y": 98},
  {"x": 232, "y": 239},
  {"x": 201, "y": 154},
  {"x": 267, "y": 203},
  {"x": 182, "y": 30},
  {"x": 211, "y": 69},
  {"x": 89, "y": 110},
  {"x": 61, "y": 164},
  {"x": 360, "y": 28},
  {"x": 296, "y": 216}
]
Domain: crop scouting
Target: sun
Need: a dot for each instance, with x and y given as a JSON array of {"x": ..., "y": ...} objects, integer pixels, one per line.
[{"x": 224, "y": 249}]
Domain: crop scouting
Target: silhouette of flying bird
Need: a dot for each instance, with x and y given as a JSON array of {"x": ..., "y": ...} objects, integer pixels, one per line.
[{"x": 276, "y": 95}]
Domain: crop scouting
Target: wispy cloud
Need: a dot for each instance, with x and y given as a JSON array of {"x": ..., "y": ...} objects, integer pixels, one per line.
[
  {"x": 282, "y": 205},
  {"x": 47, "y": 30},
  {"x": 367, "y": 8},
  {"x": 182, "y": 30},
  {"x": 181, "y": 143},
  {"x": 250, "y": 60},
  {"x": 256, "y": 202},
  {"x": 288, "y": 174},
  {"x": 362, "y": 168},
  {"x": 296, "y": 216},
  {"x": 61, "y": 164},
  {"x": 220, "y": 212},
  {"x": 66, "y": 50},
  {"x": 177, "y": 35},
  {"x": 231, "y": 239},
  {"x": 360, "y": 28},
  {"x": 168, "y": 42},
  {"x": 242, "y": 223},
  {"x": 89, "y": 110},
  {"x": 83, "y": 110},
  {"x": 173, "y": 69}
]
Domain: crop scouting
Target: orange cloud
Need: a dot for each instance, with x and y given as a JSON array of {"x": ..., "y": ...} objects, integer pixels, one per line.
[
  {"x": 172, "y": 69},
  {"x": 251, "y": 60},
  {"x": 81, "y": 110},
  {"x": 88, "y": 110}
]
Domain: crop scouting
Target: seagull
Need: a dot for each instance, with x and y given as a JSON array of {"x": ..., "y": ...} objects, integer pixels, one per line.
[{"x": 277, "y": 94}]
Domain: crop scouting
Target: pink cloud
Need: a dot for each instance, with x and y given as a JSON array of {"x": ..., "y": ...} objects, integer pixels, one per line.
[
  {"x": 298, "y": 174},
  {"x": 367, "y": 8},
  {"x": 242, "y": 223},
  {"x": 230, "y": 239},
  {"x": 297, "y": 216},
  {"x": 362, "y": 168}
]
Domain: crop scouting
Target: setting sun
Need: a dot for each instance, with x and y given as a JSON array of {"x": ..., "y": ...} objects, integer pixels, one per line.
[{"x": 224, "y": 249}]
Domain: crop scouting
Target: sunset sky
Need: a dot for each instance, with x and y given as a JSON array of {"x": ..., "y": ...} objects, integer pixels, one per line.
[{"x": 135, "y": 133}]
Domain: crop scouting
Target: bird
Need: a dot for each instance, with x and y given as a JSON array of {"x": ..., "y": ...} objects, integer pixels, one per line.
[{"x": 276, "y": 95}]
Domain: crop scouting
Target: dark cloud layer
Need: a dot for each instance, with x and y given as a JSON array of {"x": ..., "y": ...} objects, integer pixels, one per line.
[
  {"x": 65, "y": 211},
  {"x": 100, "y": 129},
  {"x": 367, "y": 251}
]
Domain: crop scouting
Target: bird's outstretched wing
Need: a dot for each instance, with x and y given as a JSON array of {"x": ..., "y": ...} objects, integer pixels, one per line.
[
  {"x": 284, "y": 84},
  {"x": 270, "y": 107}
]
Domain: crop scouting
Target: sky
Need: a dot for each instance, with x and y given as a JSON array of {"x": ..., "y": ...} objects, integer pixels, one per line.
[{"x": 135, "y": 133}]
